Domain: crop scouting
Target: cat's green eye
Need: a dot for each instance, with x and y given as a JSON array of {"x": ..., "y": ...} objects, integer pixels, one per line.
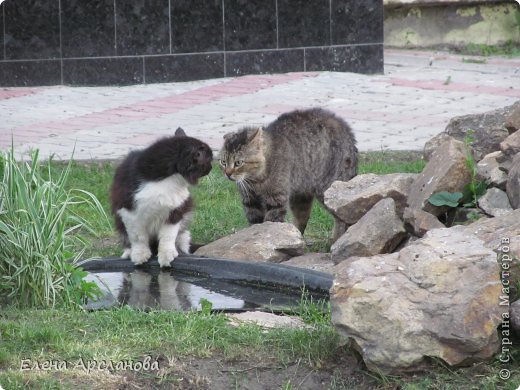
[
  {"x": 239, "y": 163},
  {"x": 223, "y": 163}
]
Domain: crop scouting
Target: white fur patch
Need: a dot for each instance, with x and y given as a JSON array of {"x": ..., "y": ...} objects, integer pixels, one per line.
[
  {"x": 167, "y": 251},
  {"x": 183, "y": 241},
  {"x": 152, "y": 205}
]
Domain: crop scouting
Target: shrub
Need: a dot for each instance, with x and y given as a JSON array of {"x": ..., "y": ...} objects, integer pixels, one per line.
[{"x": 40, "y": 243}]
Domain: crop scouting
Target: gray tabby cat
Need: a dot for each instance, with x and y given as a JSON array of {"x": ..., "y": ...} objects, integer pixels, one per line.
[{"x": 290, "y": 162}]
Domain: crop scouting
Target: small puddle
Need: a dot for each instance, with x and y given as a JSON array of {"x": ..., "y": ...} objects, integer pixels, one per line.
[
  {"x": 228, "y": 285},
  {"x": 159, "y": 290}
]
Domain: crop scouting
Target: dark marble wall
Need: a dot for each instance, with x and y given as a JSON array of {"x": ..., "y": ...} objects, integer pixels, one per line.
[
  {"x": 103, "y": 42},
  {"x": 143, "y": 27},
  {"x": 197, "y": 28},
  {"x": 32, "y": 31},
  {"x": 303, "y": 23},
  {"x": 250, "y": 24},
  {"x": 2, "y": 45}
]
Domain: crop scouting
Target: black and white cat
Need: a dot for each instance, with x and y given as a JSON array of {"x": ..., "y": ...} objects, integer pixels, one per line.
[{"x": 150, "y": 197}]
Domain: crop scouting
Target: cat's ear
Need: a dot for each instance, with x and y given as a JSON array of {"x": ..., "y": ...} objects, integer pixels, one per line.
[
  {"x": 255, "y": 135},
  {"x": 180, "y": 132}
]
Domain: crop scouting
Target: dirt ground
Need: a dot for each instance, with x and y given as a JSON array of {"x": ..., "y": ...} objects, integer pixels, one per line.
[{"x": 217, "y": 373}]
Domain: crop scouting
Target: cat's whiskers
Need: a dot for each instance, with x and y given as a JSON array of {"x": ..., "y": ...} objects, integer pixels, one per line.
[{"x": 245, "y": 186}]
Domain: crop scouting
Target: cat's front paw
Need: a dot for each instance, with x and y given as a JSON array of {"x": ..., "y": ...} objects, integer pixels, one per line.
[
  {"x": 140, "y": 254},
  {"x": 166, "y": 256}
]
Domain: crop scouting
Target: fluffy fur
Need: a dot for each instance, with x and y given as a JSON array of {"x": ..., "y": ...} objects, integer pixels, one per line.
[
  {"x": 289, "y": 163},
  {"x": 150, "y": 197}
]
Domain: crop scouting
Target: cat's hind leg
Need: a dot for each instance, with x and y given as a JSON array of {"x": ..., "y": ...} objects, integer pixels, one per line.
[
  {"x": 125, "y": 241},
  {"x": 167, "y": 251},
  {"x": 126, "y": 253},
  {"x": 183, "y": 241},
  {"x": 301, "y": 207}
]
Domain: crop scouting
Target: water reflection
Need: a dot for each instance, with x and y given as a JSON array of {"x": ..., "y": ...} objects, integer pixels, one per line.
[{"x": 159, "y": 290}]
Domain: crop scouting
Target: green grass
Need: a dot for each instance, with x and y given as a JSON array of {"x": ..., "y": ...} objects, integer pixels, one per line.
[
  {"x": 173, "y": 337},
  {"x": 474, "y": 60},
  {"x": 128, "y": 334},
  {"x": 39, "y": 231},
  {"x": 218, "y": 210},
  {"x": 509, "y": 49},
  {"x": 95, "y": 178},
  {"x": 105, "y": 334},
  {"x": 385, "y": 162}
]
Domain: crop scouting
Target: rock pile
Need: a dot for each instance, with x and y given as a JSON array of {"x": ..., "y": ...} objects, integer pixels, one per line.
[
  {"x": 409, "y": 283},
  {"x": 439, "y": 293}
]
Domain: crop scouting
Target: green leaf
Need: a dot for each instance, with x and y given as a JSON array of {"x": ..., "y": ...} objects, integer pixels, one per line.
[
  {"x": 206, "y": 306},
  {"x": 445, "y": 198}
]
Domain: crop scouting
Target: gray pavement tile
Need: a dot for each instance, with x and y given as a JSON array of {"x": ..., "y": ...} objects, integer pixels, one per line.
[{"x": 413, "y": 101}]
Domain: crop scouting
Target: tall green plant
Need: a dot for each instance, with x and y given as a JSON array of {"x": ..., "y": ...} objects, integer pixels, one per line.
[
  {"x": 39, "y": 232},
  {"x": 475, "y": 188}
]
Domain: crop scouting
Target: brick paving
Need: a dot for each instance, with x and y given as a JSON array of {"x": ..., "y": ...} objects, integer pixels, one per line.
[{"x": 400, "y": 110}]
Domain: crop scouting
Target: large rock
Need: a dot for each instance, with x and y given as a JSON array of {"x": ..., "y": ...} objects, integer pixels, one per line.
[
  {"x": 495, "y": 202},
  {"x": 434, "y": 143},
  {"x": 492, "y": 171},
  {"x": 269, "y": 241},
  {"x": 513, "y": 183},
  {"x": 437, "y": 297},
  {"x": 349, "y": 201},
  {"x": 446, "y": 171},
  {"x": 511, "y": 145},
  {"x": 513, "y": 120},
  {"x": 418, "y": 222},
  {"x": 487, "y": 129},
  {"x": 380, "y": 230},
  {"x": 502, "y": 235}
]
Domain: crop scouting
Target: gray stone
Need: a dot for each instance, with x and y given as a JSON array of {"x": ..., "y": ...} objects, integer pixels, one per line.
[
  {"x": 446, "y": 171},
  {"x": 349, "y": 201},
  {"x": 269, "y": 241},
  {"x": 513, "y": 120},
  {"x": 511, "y": 145},
  {"x": 494, "y": 230},
  {"x": 488, "y": 129},
  {"x": 380, "y": 230},
  {"x": 433, "y": 144},
  {"x": 490, "y": 170},
  {"x": 495, "y": 202},
  {"x": 514, "y": 316},
  {"x": 315, "y": 261},
  {"x": 418, "y": 222},
  {"x": 437, "y": 297},
  {"x": 502, "y": 235},
  {"x": 266, "y": 320},
  {"x": 513, "y": 183}
]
